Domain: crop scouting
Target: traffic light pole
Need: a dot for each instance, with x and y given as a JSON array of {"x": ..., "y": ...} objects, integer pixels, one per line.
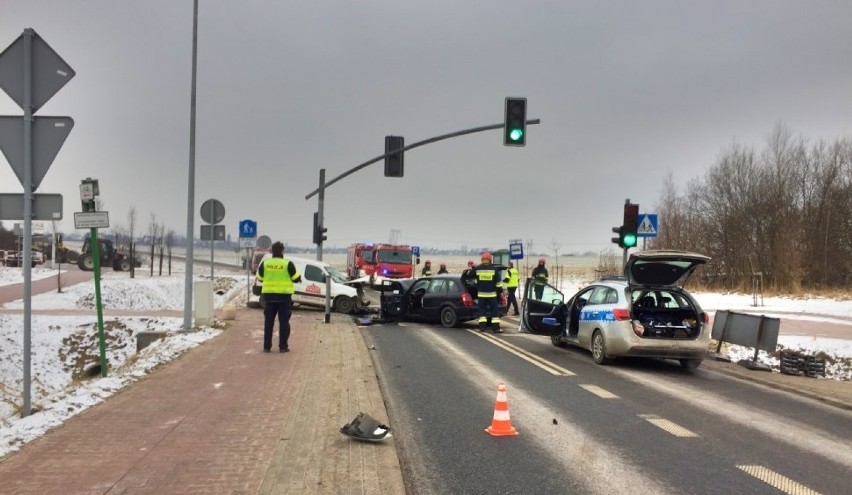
[
  {"x": 412, "y": 146},
  {"x": 323, "y": 185},
  {"x": 321, "y": 201}
]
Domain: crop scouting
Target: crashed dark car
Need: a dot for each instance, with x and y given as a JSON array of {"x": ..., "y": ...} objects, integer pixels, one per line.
[{"x": 440, "y": 299}]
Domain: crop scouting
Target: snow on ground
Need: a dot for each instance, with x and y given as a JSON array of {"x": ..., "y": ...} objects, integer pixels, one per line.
[
  {"x": 65, "y": 350},
  {"x": 65, "y": 347}
]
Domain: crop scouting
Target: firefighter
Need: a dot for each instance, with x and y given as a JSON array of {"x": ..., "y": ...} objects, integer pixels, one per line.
[
  {"x": 443, "y": 269},
  {"x": 539, "y": 276},
  {"x": 489, "y": 289},
  {"x": 427, "y": 269},
  {"x": 469, "y": 279},
  {"x": 511, "y": 281}
]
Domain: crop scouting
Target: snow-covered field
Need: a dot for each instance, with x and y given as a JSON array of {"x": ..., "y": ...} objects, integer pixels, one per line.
[{"x": 65, "y": 345}]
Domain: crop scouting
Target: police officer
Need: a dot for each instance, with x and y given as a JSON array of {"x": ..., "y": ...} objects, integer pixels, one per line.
[
  {"x": 427, "y": 269},
  {"x": 489, "y": 289},
  {"x": 277, "y": 275},
  {"x": 540, "y": 276},
  {"x": 511, "y": 281}
]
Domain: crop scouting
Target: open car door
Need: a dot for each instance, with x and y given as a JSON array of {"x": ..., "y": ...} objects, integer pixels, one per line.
[
  {"x": 543, "y": 311},
  {"x": 392, "y": 294}
]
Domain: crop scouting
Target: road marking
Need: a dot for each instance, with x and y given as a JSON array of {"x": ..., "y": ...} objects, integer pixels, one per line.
[
  {"x": 544, "y": 364},
  {"x": 603, "y": 394},
  {"x": 669, "y": 426},
  {"x": 776, "y": 480}
]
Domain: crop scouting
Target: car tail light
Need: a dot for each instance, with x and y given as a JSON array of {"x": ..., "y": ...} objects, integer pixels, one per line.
[
  {"x": 621, "y": 314},
  {"x": 705, "y": 318},
  {"x": 467, "y": 300},
  {"x": 504, "y": 300}
]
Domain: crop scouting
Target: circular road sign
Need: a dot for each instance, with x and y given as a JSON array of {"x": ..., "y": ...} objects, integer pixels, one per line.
[
  {"x": 213, "y": 211},
  {"x": 264, "y": 242}
]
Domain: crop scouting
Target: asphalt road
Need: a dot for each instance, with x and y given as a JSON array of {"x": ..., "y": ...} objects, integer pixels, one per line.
[{"x": 638, "y": 426}]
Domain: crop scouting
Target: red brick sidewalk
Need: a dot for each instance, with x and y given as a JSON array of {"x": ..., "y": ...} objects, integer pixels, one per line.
[{"x": 226, "y": 418}]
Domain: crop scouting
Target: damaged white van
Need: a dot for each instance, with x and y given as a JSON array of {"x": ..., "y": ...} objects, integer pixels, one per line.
[{"x": 346, "y": 296}]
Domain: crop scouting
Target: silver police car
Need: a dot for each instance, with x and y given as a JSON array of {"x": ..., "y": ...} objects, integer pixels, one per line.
[{"x": 645, "y": 313}]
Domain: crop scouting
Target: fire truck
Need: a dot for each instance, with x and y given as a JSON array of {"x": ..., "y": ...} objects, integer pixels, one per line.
[{"x": 379, "y": 261}]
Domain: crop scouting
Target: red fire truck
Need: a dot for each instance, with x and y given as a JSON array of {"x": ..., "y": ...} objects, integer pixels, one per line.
[{"x": 379, "y": 260}]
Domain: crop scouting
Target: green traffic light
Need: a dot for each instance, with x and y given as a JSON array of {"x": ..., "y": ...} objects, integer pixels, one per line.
[
  {"x": 629, "y": 240},
  {"x": 516, "y": 134}
]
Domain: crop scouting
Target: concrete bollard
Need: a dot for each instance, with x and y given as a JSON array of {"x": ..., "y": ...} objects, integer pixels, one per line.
[{"x": 229, "y": 312}]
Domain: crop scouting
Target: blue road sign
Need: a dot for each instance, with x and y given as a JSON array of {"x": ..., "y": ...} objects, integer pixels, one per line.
[
  {"x": 648, "y": 226},
  {"x": 248, "y": 228},
  {"x": 516, "y": 251},
  {"x": 415, "y": 250}
]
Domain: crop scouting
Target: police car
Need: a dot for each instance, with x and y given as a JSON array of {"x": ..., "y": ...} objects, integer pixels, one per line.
[{"x": 645, "y": 313}]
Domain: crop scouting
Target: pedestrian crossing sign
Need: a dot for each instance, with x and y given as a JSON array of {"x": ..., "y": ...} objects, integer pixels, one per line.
[{"x": 647, "y": 225}]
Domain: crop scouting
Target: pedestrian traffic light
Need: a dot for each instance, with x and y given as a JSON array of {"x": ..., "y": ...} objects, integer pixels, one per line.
[
  {"x": 319, "y": 230},
  {"x": 515, "y": 122},
  {"x": 394, "y": 161},
  {"x": 630, "y": 226}
]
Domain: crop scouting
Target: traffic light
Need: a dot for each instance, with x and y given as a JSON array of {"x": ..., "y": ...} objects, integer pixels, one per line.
[
  {"x": 515, "y": 122},
  {"x": 394, "y": 161},
  {"x": 630, "y": 225},
  {"x": 617, "y": 240},
  {"x": 319, "y": 230}
]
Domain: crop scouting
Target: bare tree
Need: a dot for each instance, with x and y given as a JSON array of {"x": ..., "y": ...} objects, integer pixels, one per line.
[
  {"x": 131, "y": 234},
  {"x": 170, "y": 240},
  {"x": 153, "y": 228}
]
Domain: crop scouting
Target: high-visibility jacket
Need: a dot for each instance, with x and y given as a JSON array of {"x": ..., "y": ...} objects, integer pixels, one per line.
[
  {"x": 512, "y": 277},
  {"x": 278, "y": 276},
  {"x": 488, "y": 282},
  {"x": 539, "y": 275}
]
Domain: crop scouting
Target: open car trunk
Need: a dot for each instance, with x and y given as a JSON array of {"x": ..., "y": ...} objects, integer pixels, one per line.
[{"x": 665, "y": 314}]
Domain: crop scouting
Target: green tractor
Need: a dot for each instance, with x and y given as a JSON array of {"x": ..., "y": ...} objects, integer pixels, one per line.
[{"x": 109, "y": 256}]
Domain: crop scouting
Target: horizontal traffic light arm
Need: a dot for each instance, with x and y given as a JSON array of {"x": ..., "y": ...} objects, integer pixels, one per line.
[{"x": 351, "y": 171}]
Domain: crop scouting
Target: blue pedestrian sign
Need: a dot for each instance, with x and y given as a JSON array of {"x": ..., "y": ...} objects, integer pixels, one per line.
[
  {"x": 248, "y": 228},
  {"x": 648, "y": 226}
]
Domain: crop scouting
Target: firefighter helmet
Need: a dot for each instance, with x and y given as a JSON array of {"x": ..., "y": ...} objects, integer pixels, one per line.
[
  {"x": 486, "y": 256},
  {"x": 541, "y": 261}
]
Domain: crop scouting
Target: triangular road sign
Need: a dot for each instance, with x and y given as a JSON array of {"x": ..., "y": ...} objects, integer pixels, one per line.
[
  {"x": 49, "y": 71},
  {"x": 49, "y": 134}
]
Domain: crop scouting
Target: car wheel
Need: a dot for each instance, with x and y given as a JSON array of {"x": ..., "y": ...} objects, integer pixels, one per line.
[
  {"x": 124, "y": 265},
  {"x": 599, "y": 348},
  {"x": 690, "y": 365},
  {"x": 344, "y": 304},
  {"x": 557, "y": 341},
  {"x": 449, "y": 318}
]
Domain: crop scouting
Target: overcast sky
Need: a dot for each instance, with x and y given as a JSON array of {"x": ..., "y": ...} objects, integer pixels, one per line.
[{"x": 627, "y": 92}]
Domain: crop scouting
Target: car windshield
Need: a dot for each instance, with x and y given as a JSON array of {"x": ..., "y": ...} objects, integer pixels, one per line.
[
  {"x": 335, "y": 274},
  {"x": 394, "y": 256}
]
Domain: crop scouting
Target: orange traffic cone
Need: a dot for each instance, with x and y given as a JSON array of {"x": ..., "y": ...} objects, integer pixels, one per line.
[{"x": 501, "y": 425}]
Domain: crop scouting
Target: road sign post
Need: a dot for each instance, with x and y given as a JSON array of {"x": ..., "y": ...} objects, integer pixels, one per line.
[
  {"x": 212, "y": 212},
  {"x": 93, "y": 220},
  {"x": 248, "y": 239},
  {"x": 31, "y": 73}
]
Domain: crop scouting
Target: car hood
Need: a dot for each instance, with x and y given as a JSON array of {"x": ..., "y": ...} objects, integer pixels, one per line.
[{"x": 662, "y": 268}]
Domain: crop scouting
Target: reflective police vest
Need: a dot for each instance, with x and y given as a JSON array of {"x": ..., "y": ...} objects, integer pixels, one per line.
[
  {"x": 276, "y": 277},
  {"x": 512, "y": 278}
]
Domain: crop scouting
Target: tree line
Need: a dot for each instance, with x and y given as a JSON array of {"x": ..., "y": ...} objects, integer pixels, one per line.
[{"x": 780, "y": 215}]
